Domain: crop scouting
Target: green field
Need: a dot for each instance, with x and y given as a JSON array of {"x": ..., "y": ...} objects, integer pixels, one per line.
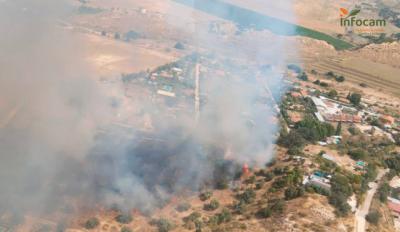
[{"x": 246, "y": 18}]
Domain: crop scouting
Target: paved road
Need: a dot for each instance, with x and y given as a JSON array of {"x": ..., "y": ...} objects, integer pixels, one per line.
[{"x": 363, "y": 209}]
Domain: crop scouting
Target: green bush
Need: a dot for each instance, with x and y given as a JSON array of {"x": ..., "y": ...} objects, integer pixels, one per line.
[
  {"x": 384, "y": 191},
  {"x": 213, "y": 205},
  {"x": 124, "y": 218},
  {"x": 303, "y": 76},
  {"x": 247, "y": 196},
  {"x": 126, "y": 229},
  {"x": 332, "y": 93},
  {"x": 354, "y": 98},
  {"x": 179, "y": 46},
  {"x": 373, "y": 217},
  {"x": 265, "y": 213},
  {"x": 340, "y": 78},
  {"x": 192, "y": 217},
  {"x": 224, "y": 216},
  {"x": 92, "y": 223},
  {"x": 162, "y": 224},
  {"x": 293, "y": 192},
  {"x": 358, "y": 154},
  {"x": 276, "y": 205},
  {"x": 205, "y": 195}
]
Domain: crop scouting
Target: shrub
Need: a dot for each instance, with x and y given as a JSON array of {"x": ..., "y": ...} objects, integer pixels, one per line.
[
  {"x": 330, "y": 74},
  {"x": 354, "y": 98},
  {"x": 179, "y": 46},
  {"x": 303, "y": 76},
  {"x": 247, "y": 196},
  {"x": 124, "y": 218},
  {"x": 276, "y": 205},
  {"x": 205, "y": 195},
  {"x": 292, "y": 140},
  {"x": 294, "y": 68},
  {"x": 239, "y": 207},
  {"x": 384, "y": 191},
  {"x": 293, "y": 192},
  {"x": 373, "y": 217},
  {"x": 357, "y": 154},
  {"x": 332, "y": 94},
  {"x": 265, "y": 213},
  {"x": 126, "y": 229},
  {"x": 224, "y": 216},
  {"x": 213, "y": 205},
  {"x": 92, "y": 223},
  {"x": 323, "y": 84},
  {"x": 192, "y": 217},
  {"x": 269, "y": 176},
  {"x": 162, "y": 224},
  {"x": 340, "y": 78}
]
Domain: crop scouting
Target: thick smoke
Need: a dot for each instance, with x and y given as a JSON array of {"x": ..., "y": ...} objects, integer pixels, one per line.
[
  {"x": 50, "y": 108},
  {"x": 59, "y": 143}
]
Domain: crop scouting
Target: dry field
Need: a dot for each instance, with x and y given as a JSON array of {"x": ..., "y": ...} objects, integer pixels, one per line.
[{"x": 113, "y": 57}]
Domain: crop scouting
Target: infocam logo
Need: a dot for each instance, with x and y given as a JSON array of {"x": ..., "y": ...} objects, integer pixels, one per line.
[{"x": 349, "y": 19}]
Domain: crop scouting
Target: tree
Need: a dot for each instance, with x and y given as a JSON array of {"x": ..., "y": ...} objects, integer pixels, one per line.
[
  {"x": 357, "y": 154},
  {"x": 265, "y": 212},
  {"x": 124, "y": 218},
  {"x": 92, "y": 223},
  {"x": 373, "y": 217},
  {"x": 291, "y": 140},
  {"x": 294, "y": 68},
  {"x": 247, "y": 196},
  {"x": 339, "y": 201},
  {"x": 126, "y": 229},
  {"x": 303, "y": 76},
  {"x": 330, "y": 74},
  {"x": 340, "y": 78},
  {"x": 162, "y": 224},
  {"x": 339, "y": 129},
  {"x": 340, "y": 191},
  {"x": 312, "y": 129},
  {"x": 354, "y": 98},
  {"x": 132, "y": 35},
  {"x": 179, "y": 46},
  {"x": 224, "y": 216},
  {"x": 384, "y": 192},
  {"x": 213, "y": 205},
  {"x": 341, "y": 184},
  {"x": 332, "y": 94},
  {"x": 293, "y": 192},
  {"x": 205, "y": 195}
]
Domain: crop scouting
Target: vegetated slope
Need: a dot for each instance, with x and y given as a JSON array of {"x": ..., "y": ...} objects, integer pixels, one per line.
[{"x": 246, "y": 18}]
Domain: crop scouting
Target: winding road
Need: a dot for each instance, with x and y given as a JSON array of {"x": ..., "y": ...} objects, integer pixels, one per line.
[{"x": 363, "y": 209}]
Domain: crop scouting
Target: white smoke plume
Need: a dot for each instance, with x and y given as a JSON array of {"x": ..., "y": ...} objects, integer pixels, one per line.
[{"x": 52, "y": 154}]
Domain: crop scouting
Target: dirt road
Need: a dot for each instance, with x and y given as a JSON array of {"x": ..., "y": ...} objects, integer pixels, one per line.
[{"x": 363, "y": 209}]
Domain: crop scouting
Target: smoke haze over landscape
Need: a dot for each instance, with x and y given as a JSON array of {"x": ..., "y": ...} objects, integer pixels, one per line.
[{"x": 52, "y": 108}]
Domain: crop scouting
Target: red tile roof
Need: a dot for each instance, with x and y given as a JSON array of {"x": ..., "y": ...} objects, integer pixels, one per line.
[{"x": 394, "y": 206}]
